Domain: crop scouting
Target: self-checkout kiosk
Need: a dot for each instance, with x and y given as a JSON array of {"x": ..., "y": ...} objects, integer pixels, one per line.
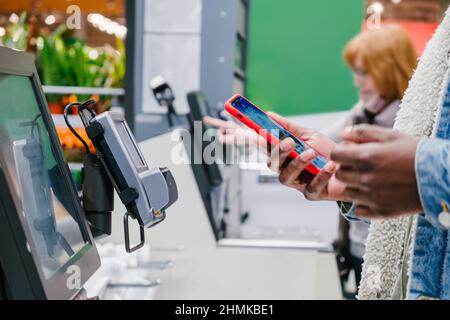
[{"x": 47, "y": 248}]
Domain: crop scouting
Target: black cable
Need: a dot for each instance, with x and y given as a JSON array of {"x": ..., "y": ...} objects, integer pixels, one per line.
[
  {"x": 66, "y": 119},
  {"x": 88, "y": 106}
]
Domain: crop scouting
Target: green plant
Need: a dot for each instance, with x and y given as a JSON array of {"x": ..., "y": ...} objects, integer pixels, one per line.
[
  {"x": 119, "y": 64},
  {"x": 64, "y": 60},
  {"x": 68, "y": 61},
  {"x": 16, "y": 34}
]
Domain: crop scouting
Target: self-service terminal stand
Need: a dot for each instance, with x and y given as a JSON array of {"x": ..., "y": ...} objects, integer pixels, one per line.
[{"x": 47, "y": 248}]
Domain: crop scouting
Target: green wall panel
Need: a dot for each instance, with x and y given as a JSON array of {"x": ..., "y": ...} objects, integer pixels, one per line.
[{"x": 295, "y": 63}]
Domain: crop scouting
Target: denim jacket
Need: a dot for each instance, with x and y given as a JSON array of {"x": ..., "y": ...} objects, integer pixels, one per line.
[
  {"x": 430, "y": 265},
  {"x": 430, "y": 271}
]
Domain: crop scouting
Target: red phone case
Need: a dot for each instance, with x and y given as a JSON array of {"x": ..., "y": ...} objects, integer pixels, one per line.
[{"x": 262, "y": 132}]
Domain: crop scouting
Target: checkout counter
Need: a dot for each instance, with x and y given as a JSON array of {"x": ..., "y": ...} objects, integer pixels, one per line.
[{"x": 190, "y": 263}]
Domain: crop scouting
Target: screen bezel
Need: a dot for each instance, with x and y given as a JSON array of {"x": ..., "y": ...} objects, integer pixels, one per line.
[
  {"x": 209, "y": 177},
  {"x": 87, "y": 259},
  {"x": 195, "y": 99}
]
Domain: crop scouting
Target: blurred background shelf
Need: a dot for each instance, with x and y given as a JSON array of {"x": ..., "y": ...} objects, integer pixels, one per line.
[
  {"x": 117, "y": 92},
  {"x": 74, "y": 120}
]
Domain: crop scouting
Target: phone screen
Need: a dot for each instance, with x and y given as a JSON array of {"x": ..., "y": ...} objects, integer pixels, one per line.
[{"x": 264, "y": 121}]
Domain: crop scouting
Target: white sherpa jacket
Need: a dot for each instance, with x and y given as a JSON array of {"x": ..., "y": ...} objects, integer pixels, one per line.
[{"x": 390, "y": 242}]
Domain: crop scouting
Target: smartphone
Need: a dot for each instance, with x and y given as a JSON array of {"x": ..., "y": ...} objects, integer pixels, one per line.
[{"x": 256, "y": 119}]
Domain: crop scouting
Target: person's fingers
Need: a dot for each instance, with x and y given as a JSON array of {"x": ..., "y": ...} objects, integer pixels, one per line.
[
  {"x": 315, "y": 188},
  {"x": 280, "y": 153},
  {"x": 353, "y": 155},
  {"x": 353, "y": 178},
  {"x": 264, "y": 146},
  {"x": 260, "y": 142},
  {"x": 295, "y": 129},
  {"x": 220, "y": 124},
  {"x": 357, "y": 195},
  {"x": 366, "y": 133},
  {"x": 290, "y": 174}
]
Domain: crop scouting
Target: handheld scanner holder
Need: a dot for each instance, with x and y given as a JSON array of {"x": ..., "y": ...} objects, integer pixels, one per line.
[
  {"x": 145, "y": 192},
  {"x": 163, "y": 92}
]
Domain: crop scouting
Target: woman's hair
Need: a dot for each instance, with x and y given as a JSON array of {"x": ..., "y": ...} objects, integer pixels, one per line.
[{"x": 389, "y": 57}]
